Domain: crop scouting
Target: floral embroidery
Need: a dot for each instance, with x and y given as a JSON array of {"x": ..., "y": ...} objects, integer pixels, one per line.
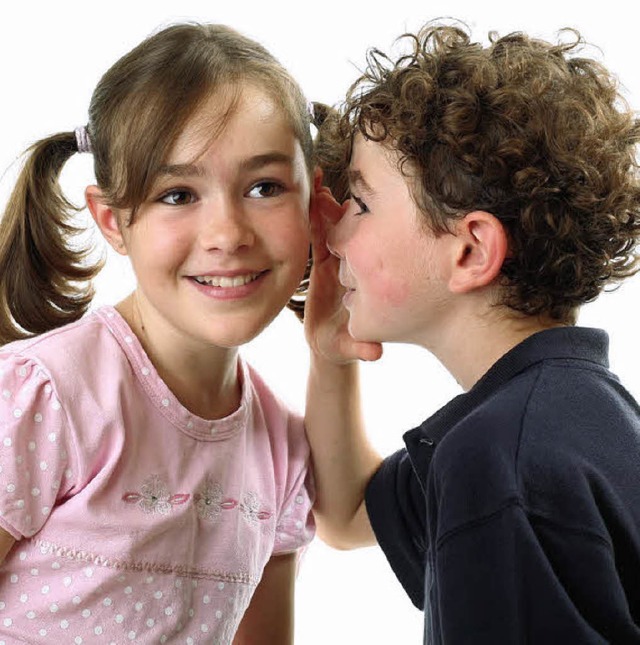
[
  {"x": 154, "y": 497},
  {"x": 210, "y": 502},
  {"x": 250, "y": 509}
]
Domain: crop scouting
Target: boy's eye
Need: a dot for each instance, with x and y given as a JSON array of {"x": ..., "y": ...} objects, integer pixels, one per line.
[
  {"x": 178, "y": 198},
  {"x": 361, "y": 205},
  {"x": 266, "y": 189}
]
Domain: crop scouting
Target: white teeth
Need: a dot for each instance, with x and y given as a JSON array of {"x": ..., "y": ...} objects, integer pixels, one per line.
[{"x": 224, "y": 281}]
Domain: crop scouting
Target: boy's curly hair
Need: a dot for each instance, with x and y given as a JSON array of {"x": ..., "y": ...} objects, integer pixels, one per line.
[{"x": 525, "y": 130}]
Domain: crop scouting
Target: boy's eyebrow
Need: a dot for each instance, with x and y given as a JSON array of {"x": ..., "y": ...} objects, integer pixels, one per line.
[
  {"x": 252, "y": 163},
  {"x": 356, "y": 178}
]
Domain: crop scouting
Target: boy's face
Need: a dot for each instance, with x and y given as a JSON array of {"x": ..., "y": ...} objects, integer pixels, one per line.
[{"x": 393, "y": 267}]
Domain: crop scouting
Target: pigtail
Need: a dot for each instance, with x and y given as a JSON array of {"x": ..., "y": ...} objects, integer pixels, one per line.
[{"x": 44, "y": 280}]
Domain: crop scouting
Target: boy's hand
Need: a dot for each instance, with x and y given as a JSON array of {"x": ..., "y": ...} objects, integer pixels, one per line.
[{"x": 325, "y": 318}]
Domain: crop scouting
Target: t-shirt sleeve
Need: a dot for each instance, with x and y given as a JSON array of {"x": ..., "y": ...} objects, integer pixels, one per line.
[
  {"x": 295, "y": 527},
  {"x": 36, "y": 452},
  {"x": 397, "y": 511}
]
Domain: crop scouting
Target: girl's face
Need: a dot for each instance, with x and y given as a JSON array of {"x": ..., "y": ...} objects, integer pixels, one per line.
[
  {"x": 222, "y": 242},
  {"x": 392, "y": 267}
]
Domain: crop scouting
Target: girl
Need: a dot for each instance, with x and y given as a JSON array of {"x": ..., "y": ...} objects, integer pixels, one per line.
[{"x": 152, "y": 489}]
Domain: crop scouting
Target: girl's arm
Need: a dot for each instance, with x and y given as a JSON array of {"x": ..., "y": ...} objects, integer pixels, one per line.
[
  {"x": 269, "y": 617},
  {"x": 343, "y": 459},
  {"x": 6, "y": 542}
]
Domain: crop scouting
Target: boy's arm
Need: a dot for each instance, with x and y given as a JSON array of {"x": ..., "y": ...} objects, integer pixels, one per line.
[
  {"x": 269, "y": 617},
  {"x": 343, "y": 459}
]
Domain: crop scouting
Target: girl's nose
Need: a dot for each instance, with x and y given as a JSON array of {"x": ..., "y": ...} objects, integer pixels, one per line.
[{"x": 225, "y": 227}]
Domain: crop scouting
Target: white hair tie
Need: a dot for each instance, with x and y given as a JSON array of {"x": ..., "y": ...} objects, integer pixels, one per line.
[{"x": 82, "y": 139}]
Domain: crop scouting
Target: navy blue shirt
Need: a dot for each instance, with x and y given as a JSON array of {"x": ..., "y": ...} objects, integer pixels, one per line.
[{"x": 513, "y": 514}]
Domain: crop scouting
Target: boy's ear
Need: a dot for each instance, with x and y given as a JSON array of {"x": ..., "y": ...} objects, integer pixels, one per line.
[
  {"x": 479, "y": 253},
  {"x": 106, "y": 219}
]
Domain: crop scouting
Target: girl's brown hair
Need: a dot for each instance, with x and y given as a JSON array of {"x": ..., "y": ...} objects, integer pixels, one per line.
[
  {"x": 137, "y": 111},
  {"x": 524, "y": 129}
]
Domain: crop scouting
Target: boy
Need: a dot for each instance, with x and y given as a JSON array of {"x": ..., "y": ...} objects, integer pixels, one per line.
[{"x": 494, "y": 190}]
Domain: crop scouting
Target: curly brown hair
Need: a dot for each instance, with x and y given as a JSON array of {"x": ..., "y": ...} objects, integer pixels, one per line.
[{"x": 525, "y": 130}]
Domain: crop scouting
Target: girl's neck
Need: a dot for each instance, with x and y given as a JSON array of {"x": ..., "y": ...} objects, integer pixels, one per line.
[{"x": 204, "y": 378}]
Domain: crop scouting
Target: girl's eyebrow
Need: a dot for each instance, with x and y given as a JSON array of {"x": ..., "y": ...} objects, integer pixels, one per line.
[
  {"x": 252, "y": 163},
  {"x": 356, "y": 178}
]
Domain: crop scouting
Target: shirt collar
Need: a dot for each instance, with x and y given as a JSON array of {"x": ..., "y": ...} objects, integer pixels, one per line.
[{"x": 578, "y": 343}]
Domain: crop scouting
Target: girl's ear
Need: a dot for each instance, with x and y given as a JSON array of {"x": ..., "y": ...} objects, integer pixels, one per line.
[
  {"x": 106, "y": 219},
  {"x": 480, "y": 252}
]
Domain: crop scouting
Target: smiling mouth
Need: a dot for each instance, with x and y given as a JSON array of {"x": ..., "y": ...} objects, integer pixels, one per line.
[{"x": 227, "y": 282}]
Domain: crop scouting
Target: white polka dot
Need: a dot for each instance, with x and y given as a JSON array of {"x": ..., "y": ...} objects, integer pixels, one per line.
[
  {"x": 119, "y": 618},
  {"x": 204, "y": 628},
  {"x": 299, "y": 524},
  {"x": 190, "y": 425},
  {"x": 68, "y": 472},
  {"x": 52, "y": 437},
  {"x": 7, "y": 442},
  {"x": 221, "y": 586},
  {"x": 213, "y": 430},
  {"x": 47, "y": 388},
  {"x": 128, "y": 590},
  {"x": 24, "y": 597},
  {"x": 34, "y": 572},
  {"x": 189, "y": 640},
  {"x": 43, "y": 632},
  {"x": 35, "y": 491},
  {"x": 178, "y": 583},
  {"x": 206, "y": 600},
  {"x": 107, "y": 602},
  {"x": 77, "y": 640},
  {"x": 17, "y": 413},
  {"x": 43, "y": 465},
  {"x": 20, "y": 503},
  {"x": 46, "y": 589},
  {"x": 22, "y": 371},
  {"x": 53, "y": 608},
  {"x": 31, "y": 615},
  {"x": 67, "y": 581},
  {"x": 165, "y": 402},
  {"x": 146, "y": 371},
  {"x": 163, "y": 638},
  {"x": 299, "y": 499},
  {"x": 157, "y": 595},
  {"x": 150, "y": 622},
  {"x": 76, "y": 600},
  {"x": 110, "y": 314},
  {"x": 37, "y": 417},
  {"x": 86, "y": 613},
  {"x": 138, "y": 606},
  {"x": 149, "y": 580},
  {"x": 192, "y": 613},
  {"x": 218, "y": 614},
  {"x": 98, "y": 630},
  {"x": 23, "y": 556},
  {"x": 168, "y": 611},
  {"x": 6, "y": 394},
  {"x": 7, "y": 622},
  {"x": 55, "y": 565},
  {"x": 128, "y": 340},
  {"x": 56, "y": 404},
  {"x": 45, "y": 510},
  {"x": 64, "y": 624},
  {"x": 13, "y": 579},
  {"x": 11, "y": 488},
  {"x": 32, "y": 446},
  {"x": 131, "y": 635},
  {"x": 19, "y": 460},
  {"x": 2, "y": 605},
  {"x": 88, "y": 572},
  {"x": 194, "y": 583}
]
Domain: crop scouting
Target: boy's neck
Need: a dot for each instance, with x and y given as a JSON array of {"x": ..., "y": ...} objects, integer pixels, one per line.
[{"x": 472, "y": 344}]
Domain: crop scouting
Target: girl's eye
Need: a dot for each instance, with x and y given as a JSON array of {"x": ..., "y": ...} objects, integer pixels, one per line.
[
  {"x": 178, "y": 198},
  {"x": 361, "y": 205},
  {"x": 266, "y": 189}
]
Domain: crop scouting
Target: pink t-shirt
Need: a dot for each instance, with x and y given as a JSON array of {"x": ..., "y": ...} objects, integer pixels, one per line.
[{"x": 137, "y": 521}]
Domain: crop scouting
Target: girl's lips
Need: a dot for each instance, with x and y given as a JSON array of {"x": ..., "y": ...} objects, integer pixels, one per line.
[{"x": 237, "y": 292}]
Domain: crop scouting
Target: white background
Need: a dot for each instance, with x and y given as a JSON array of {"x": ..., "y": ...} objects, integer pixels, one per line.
[{"x": 53, "y": 53}]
